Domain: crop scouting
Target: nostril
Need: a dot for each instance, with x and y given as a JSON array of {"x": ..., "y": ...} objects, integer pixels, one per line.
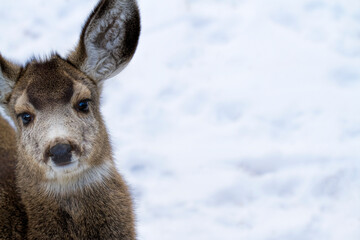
[{"x": 61, "y": 154}]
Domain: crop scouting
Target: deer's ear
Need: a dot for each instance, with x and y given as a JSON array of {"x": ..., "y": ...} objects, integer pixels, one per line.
[
  {"x": 108, "y": 40},
  {"x": 9, "y": 73}
]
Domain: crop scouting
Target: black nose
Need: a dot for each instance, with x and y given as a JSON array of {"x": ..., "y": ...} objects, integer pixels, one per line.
[{"x": 61, "y": 154}]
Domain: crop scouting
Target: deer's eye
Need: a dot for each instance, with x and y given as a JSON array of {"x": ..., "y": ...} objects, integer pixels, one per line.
[
  {"x": 83, "y": 106},
  {"x": 26, "y": 118}
]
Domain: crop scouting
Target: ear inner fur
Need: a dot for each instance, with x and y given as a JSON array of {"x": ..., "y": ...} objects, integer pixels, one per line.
[
  {"x": 9, "y": 73},
  {"x": 108, "y": 40}
]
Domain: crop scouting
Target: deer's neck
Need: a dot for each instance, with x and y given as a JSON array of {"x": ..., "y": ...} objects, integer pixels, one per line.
[
  {"x": 33, "y": 183},
  {"x": 79, "y": 209}
]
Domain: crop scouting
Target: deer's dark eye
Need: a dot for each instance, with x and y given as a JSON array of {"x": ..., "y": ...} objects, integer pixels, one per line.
[
  {"x": 83, "y": 106},
  {"x": 26, "y": 118}
]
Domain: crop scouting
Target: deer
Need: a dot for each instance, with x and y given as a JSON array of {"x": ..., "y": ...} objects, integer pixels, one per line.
[{"x": 58, "y": 178}]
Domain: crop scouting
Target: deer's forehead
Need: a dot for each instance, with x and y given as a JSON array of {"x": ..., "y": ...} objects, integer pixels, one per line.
[
  {"x": 49, "y": 83},
  {"x": 50, "y": 90}
]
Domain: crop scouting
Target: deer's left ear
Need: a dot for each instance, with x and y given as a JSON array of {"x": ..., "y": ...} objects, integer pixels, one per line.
[
  {"x": 9, "y": 73},
  {"x": 108, "y": 40}
]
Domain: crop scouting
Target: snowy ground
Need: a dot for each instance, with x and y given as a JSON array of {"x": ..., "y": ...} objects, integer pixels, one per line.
[{"x": 237, "y": 119}]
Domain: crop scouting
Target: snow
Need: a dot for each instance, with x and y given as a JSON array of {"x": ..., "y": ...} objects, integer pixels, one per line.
[{"x": 236, "y": 119}]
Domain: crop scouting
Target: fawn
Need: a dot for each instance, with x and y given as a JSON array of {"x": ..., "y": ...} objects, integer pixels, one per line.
[{"x": 57, "y": 174}]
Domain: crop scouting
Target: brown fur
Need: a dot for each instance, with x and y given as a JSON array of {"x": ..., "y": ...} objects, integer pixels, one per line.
[
  {"x": 49, "y": 86},
  {"x": 40, "y": 200},
  {"x": 13, "y": 219}
]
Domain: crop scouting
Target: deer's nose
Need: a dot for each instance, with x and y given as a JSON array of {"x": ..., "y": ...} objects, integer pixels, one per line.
[{"x": 61, "y": 154}]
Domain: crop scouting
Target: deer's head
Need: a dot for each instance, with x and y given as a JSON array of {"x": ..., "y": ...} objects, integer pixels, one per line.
[{"x": 55, "y": 102}]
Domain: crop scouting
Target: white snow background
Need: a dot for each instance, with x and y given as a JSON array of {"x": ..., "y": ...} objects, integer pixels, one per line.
[{"x": 236, "y": 119}]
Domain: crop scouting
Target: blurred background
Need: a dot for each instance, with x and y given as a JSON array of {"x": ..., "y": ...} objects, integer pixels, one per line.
[{"x": 236, "y": 119}]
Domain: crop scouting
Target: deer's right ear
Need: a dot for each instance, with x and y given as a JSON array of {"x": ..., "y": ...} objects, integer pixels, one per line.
[
  {"x": 108, "y": 40},
  {"x": 9, "y": 73}
]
